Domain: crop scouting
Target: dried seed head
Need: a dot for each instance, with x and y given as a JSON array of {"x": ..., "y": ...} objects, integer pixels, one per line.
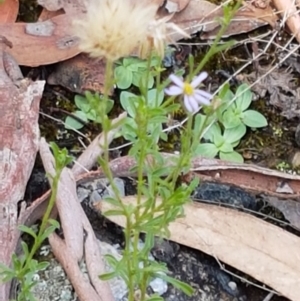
[
  {"x": 114, "y": 28},
  {"x": 118, "y": 28}
]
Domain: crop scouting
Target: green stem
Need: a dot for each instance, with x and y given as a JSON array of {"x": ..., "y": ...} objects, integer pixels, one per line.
[
  {"x": 213, "y": 48},
  {"x": 38, "y": 241},
  {"x": 107, "y": 171}
]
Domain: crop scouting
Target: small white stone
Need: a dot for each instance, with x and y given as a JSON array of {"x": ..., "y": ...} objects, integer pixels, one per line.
[
  {"x": 159, "y": 286},
  {"x": 232, "y": 285}
]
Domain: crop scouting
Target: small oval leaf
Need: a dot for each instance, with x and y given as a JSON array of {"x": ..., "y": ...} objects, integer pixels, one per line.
[{"x": 254, "y": 119}]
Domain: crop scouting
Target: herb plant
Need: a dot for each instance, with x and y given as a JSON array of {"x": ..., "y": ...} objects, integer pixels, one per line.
[
  {"x": 159, "y": 199},
  {"x": 237, "y": 115},
  {"x": 134, "y": 71},
  {"x": 233, "y": 118},
  {"x": 87, "y": 112},
  {"x": 130, "y": 103}
]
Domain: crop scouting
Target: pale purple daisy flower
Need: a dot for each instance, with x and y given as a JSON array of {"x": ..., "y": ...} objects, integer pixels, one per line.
[{"x": 193, "y": 98}]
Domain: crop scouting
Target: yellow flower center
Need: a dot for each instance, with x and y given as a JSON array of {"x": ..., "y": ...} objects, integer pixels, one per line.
[{"x": 188, "y": 89}]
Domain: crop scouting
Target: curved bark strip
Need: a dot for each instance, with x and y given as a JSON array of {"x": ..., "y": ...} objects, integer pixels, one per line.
[
  {"x": 19, "y": 137},
  {"x": 79, "y": 238}
]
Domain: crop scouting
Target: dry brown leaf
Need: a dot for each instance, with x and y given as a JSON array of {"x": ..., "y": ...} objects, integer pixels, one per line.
[
  {"x": 289, "y": 208},
  {"x": 262, "y": 250},
  {"x": 9, "y": 11},
  {"x": 264, "y": 13},
  {"x": 280, "y": 84},
  {"x": 41, "y": 43},
  {"x": 200, "y": 15},
  {"x": 289, "y": 12},
  {"x": 174, "y": 6},
  {"x": 79, "y": 74},
  {"x": 248, "y": 18}
]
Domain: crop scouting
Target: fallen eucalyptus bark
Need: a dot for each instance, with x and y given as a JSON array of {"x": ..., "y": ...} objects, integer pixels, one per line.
[
  {"x": 19, "y": 143},
  {"x": 259, "y": 249},
  {"x": 79, "y": 239}
]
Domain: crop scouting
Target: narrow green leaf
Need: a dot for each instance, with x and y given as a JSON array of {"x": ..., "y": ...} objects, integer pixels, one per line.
[
  {"x": 108, "y": 276},
  {"x": 113, "y": 212},
  {"x": 112, "y": 261},
  {"x": 27, "y": 230},
  {"x": 7, "y": 276},
  {"x": 187, "y": 289},
  {"x": 25, "y": 248},
  {"x": 42, "y": 265},
  {"x": 5, "y": 269},
  {"x": 227, "y": 45},
  {"x": 54, "y": 223},
  {"x": 17, "y": 262},
  {"x": 112, "y": 201},
  {"x": 47, "y": 232}
]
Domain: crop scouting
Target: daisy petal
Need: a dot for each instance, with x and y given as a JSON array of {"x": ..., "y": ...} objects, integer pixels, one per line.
[
  {"x": 192, "y": 103},
  {"x": 173, "y": 91},
  {"x": 199, "y": 79},
  {"x": 203, "y": 97},
  {"x": 201, "y": 100},
  {"x": 176, "y": 80},
  {"x": 204, "y": 93},
  {"x": 187, "y": 105}
]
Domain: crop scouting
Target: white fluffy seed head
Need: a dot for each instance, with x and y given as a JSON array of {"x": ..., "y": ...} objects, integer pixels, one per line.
[
  {"x": 114, "y": 28},
  {"x": 118, "y": 28}
]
